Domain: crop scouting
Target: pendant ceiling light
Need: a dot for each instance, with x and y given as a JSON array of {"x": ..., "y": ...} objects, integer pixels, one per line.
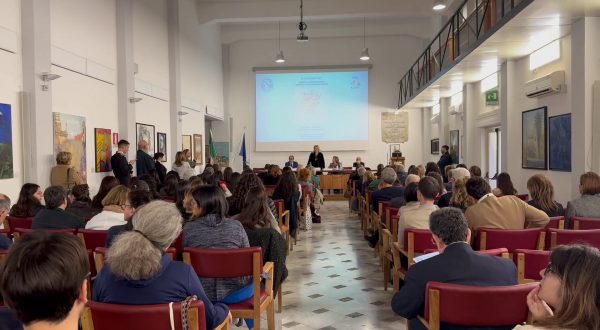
[
  {"x": 301, "y": 25},
  {"x": 439, "y": 5},
  {"x": 364, "y": 55},
  {"x": 279, "y": 58}
]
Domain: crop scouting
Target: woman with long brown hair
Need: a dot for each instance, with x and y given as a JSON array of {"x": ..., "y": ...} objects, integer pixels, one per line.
[
  {"x": 542, "y": 196},
  {"x": 256, "y": 212},
  {"x": 504, "y": 186}
]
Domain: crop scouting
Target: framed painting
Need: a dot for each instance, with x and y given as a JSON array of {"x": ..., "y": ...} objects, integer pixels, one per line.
[
  {"x": 146, "y": 133},
  {"x": 454, "y": 146},
  {"x": 186, "y": 142},
  {"x": 103, "y": 143},
  {"x": 435, "y": 146},
  {"x": 69, "y": 135},
  {"x": 222, "y": 149},
  {"x": 115, "y": 138},
  {"x": 559, "y": 135},
  {"x": 161, "y": 144},
  {"x": 197, "y": 154},
  {"x": 534, "y": 139},
  {"x": 6, "y": 152}
]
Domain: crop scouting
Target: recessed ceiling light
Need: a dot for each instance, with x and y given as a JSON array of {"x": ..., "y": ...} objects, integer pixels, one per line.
[{"x": 439, "y": 5}]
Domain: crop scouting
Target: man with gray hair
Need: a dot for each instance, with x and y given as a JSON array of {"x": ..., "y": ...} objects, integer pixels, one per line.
[
  {"x": 456, "y": 263},
  {"x": 455, "y": 175},
  {"x": 4, "y": 209},
  {"x": 386, "y": 190},
  {"x": 144, "y": 162}
]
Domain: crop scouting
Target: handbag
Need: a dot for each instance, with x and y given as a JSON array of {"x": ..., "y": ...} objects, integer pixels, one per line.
[{"x": 185, "y": 306}]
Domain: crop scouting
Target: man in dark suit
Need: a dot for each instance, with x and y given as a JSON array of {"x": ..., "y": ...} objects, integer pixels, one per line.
[
  {"x": 445, "y": 160},
  {"x": 54, "y": 215},
  {"x": 121, "y": 168},
  {"x": 291, "y": 163},
  {"x": 387, "y": 190},
  {"x": 144, "y": 164},
  {"x": 457, "y": 263},
  {"x": 316, "y": 158},
  {"x": 358, "y": 163}
]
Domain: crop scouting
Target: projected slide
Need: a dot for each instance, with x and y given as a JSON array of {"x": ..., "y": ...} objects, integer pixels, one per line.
[{"x": 295, "y": 110}]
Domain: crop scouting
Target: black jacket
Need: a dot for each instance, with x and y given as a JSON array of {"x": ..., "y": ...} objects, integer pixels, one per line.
[
  {"x": 82, "y": 210},
  {"x": 161, "y": 170},
  {"x": 445, "y": 160},
  {"x": 121, "y": 168},
  {"x": 316, "y": 160},
  {"x": 56, "y": 219},
  {"x": 274, "y": 249},
  {"x": 293, "y": 164},
  {"x": 459, "y": 264},
  {"x": 144, "y": 164}
]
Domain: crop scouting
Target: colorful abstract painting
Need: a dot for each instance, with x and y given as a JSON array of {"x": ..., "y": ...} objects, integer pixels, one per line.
[
  {"x": 222, "y": 149},
  {"x": 102, "y": 137},
  {"x": 69, "y": 135},
  {"x": 6, "y": 155}
]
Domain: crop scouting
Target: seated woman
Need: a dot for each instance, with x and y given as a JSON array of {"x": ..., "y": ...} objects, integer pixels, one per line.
[
  {"x": 135, "y": 199},
  {"x": 63, "y": 174},
  {"x": 335, "y": 163},
  {"x": 306, "y": 185},
  {"x": 460, "y": 198},
  {"x": 108, "y": 182},
  {"x": 182, "y": 166},
  {"x": 138, "y": 272},
  {"x": 161, "y": 170},
  {"x": 504, "y": 186},
  {"x": 542, "y": 196},
  {"x": 210, "y": 228},
  {"x": 272, "y": 176},
  {"x": 236, "y": 201},
  {"x": 588, "y": 205},
  {"x": 287, "y": 189},
  {"x": 569, "y": 294},
  {"x": 256, "y": 213},
  {"x": 113, "y": 213},
  {"x": 29, "y": 202},
  {"x": 169, "y": 188},
  {"x": 81, "y": 204}
]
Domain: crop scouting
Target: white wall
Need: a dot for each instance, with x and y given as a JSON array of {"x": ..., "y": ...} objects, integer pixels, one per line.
[
  {"x": 10, "y": 86},
  {"x": 391, "y": 58}
]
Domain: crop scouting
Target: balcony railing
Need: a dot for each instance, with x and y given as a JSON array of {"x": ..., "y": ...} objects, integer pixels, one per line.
[{"x": 469, "y": 26}]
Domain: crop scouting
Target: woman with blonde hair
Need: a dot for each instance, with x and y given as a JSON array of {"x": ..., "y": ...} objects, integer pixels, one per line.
[
  {"x": 182, "y": 166},
  {"x": 335, "y": 163},
  {"x": 588, "y": 205},
  {"x": 113, "y": 211},
  {"x": 139, "y": 272},
  {"x": 568, "y": 296},
  {"x": 63, "y": 174},
  {"x": 542, "y": 196},
  {"x": 460, "y": 198},
  {"x": 421, "y": 170}
]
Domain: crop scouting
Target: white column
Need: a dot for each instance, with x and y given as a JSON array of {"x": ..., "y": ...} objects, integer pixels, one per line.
[{"x": 174, "y": 77}]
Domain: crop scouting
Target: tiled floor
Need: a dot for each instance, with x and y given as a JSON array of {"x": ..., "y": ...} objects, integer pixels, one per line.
[{"x": 334, "y": 279}]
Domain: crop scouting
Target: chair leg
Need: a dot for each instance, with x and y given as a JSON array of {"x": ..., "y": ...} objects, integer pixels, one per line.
[
  {"x": 257, "y": 322},
  {"x": 396, "y": 281},
  {"x": 386, "y": 273},
  {"x": 271, "y": 316},
  {"x": 280, "y": 299}
]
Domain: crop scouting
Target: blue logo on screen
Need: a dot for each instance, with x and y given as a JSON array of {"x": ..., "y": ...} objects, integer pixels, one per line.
[
  {"x": 355, "y": 83},
  {"x": 266, "y": 84}
]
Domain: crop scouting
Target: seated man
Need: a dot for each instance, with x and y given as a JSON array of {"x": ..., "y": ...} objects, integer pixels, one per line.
[
  {"x": 386, "y": 190},
  {"x": 453, "y": 175},
  {"x": 506, "y": 212},
  {"x": 358, "y": 162},
  {"x": 457, "y": 263},
  {"x": 54, "y": 215},
  {"x": 291, "y": 163},
  {"x": 418, "y": 218},
  {"x": 5, "y": 242},
  {"x": 45, "y": 280}
]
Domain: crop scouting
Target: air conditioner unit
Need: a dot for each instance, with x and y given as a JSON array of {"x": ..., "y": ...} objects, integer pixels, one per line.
[
  {"x": 456, "y": 110},
  {"x": 550, "y": 84}
]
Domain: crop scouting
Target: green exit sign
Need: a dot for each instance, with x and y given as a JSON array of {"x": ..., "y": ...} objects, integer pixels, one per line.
[{"x": 491, "y": 97}]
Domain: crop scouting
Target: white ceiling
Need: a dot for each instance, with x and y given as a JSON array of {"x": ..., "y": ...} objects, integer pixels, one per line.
[{"x": 540, "y": 23}]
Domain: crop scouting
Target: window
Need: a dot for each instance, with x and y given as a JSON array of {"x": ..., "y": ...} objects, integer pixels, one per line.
[
  {"x": 489, "y": 82},
  {"x": 435, "y": 110},
  {"x": 494, "y": 136},
  {"x": 456, "y": 99},
  {"x": 544, "y": 55}
]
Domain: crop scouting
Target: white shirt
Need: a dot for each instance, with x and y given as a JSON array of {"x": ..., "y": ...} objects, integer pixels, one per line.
[
  {"x": 185, "y": 171},
  {"x": 106, "y": 219}
]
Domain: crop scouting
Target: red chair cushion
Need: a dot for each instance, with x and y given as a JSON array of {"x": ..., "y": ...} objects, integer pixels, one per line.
[
  {"x": 535, "y": 261},
  {"x": 249, "y": 304},
  {"x": 565, "y": 237},
  {"x": 483, "y": 306},
  {"x": 586, "y": 223},
  {"x": 422, "y": 239},
  {"x": 94, "y": 238},
  {"x": 494, "y": 252},
  {"x": 223, "y": 263},
  {"x": 510, "y": 238},
  {"x": 16, "y": 222},
  {"x": 554, "y": 222}
]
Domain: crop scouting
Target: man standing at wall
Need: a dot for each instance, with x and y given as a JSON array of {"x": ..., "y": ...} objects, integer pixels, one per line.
[
  {"x": 121, "y": 168},
  {"x": 445, "y": 160},
  {"x": 144, "y": 163}
]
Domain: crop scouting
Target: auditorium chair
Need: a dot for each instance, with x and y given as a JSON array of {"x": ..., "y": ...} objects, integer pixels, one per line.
[
  {"x": 379, "y": 221},
  {"x": 283, "y": 221},
  {"x": 171, "y": 199},
  {"x": 91, "y": 240},
  {"x": 101, "y": 316},
  {"x": 493, "y": 238},
  {"x": 100, "y": 256},
  {"x": 231, "y": 263},
  {"x": 269, "y": 189},
  {"x": 565, "y": 237},
  {"x": 475, "y": 306},
  {"x": 556, "y": 222},
  {"x": 12, "y": 223},
  {"x": 178, "y": 245},
  {"x": 3, "y": 254},
  {"x": 5, "y": 232},
  {"x": 388, "y": 257},
  {"x": 530, "y": 263},
  {"x": 523, "y": 197},
  {"x": 416, "y": 241},
  {"x": 367, "y": 214},
  {"x": 23, "y": 231},
  {"x": 582, "y": 223},
  {"x": 387, "y": 224}
]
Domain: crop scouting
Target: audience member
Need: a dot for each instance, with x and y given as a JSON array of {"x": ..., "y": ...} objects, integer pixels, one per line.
[
  {"x": 144, "y": 162},
  {"x": 227, "y": 173},
  {"x": 256, "y": 212},
  {"x": 81, "y": 204},
  {"x": 29, "y": 202},
  {"x": 448, "y": 173},
  {"x": 182, "y": 166},
  {"x": 135, "y": 200},
  {"x": 169, "y": 188},
  {"x": 386, "y": 189},
  {"x": 542, "y": 196},
  {"x": 335, "y": 163},
  {"x": 187, "y": 154},
  {"x": 504, "y": 186},
  {"x": 432, "y": 167},
  {"x": 152, "y": 185},
  {"x": 440, "y": 181},
  {"x": 460, "y": 198},
  {"x": 5, "y": 242},
  {"x": 272, "y": 176},
  {"x": 238, "y": 197},
  {"x": 445, "y": 160},
  {"x": 308, "y": 189},
  {"x": 291, "y": 163},
  {"x": 358, "y": 162},
  {"x": 182, "y": 188},
  {"x": 421, "y": 170},
  {"x": 316, "y": 159},
  {"x": 63, "y": 174},
  {"x": 107, "y": 183},
  {"x": 507, "y": 212},
  {"x": 113, "y": 210},
  {"x": 118, "y": 162},
  {"x": 161, "y": 170},
  {"x": 233, "y": 182},
  {"x": 44, "y": 279},
  {"x": 410, "y": 197},
  {"x": 475, "y": 171},
  {"x": 139, "y": 272},
  {"x": 287, "y": 190},
  {"x": 54, "y": 215},
  {"x": 412, "y": 169},
  {"x": 462, "y": 165},
  {"x": 569, "y": 294},
  {"x": 457, "y": 263},
  {"x": 588, "y": 205},
  {"x": 454, "y": 175},
  {"x": 400, "y": 173},
  {"x": 418, "y": 218}
]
